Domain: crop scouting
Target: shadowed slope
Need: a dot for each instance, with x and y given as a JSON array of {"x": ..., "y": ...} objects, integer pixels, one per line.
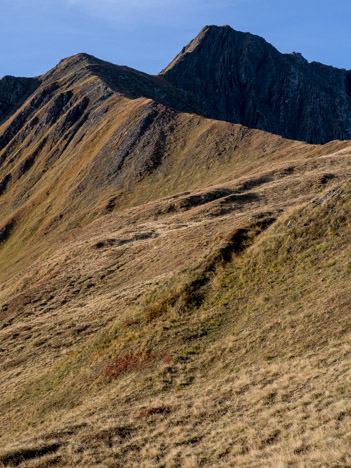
[
  {"x": 130, "y": 83},
  {"x": 13, "y": 92},
  {"x": 241, "y": 78}
]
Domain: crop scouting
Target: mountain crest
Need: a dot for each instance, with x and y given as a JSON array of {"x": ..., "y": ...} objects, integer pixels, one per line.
[
  {"x": 240, "y": 78},
  {"x": 140, "y": 242}
]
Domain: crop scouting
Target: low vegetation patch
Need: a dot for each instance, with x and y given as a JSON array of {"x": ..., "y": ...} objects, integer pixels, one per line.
[
  {"x": 146, "y": 412},
  {"x": 127, "y": 363}
]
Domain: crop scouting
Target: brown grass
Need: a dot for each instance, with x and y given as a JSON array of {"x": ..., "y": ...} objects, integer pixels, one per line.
[
  {"x": 254, "y": 376},
  {"x": 127, "y": 363},
  {"x": 182, "y": 328}
]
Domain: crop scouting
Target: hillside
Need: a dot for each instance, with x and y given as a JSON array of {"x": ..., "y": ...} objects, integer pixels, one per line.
[
  {"x": 85, "y": 143},
  {"x": 173, "y": 286}
]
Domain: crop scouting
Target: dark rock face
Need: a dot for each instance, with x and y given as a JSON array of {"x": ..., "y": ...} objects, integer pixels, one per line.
[
  {"x": 241, "y": 78},
  {"x": 4, "y": 182},
  {"x": 348, "y": 83},
  {"x": 13, "y": 93},
  {"x": 5, "y": 230},
  {"x": 23, "y": 120}
]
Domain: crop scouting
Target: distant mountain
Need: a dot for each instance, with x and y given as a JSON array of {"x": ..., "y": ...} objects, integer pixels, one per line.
[
  {"x": 90, "y": 137},
  {"x": 241, "y": 78}
]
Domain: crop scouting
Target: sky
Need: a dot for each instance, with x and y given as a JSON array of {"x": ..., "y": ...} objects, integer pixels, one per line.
[{"x": 147, "y": 34}]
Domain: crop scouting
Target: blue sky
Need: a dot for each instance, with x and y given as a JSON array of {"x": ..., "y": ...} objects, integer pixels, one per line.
[{"x": 146, "y": 34}]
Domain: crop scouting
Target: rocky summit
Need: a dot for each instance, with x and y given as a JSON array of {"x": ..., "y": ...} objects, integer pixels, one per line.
[
  {"x": 175, "y": 261},
  {"x": 241, "y": 78}
]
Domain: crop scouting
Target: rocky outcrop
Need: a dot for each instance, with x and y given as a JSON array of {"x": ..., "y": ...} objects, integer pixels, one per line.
[
  {"x": 241, "y": 78},
  {"x": 13, "y": 93}
]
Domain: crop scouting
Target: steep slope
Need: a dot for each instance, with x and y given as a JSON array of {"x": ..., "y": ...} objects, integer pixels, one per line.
[
  {"x": 126, "y": 81},
  {"x": 85, "y": 143},
  {"x": 70, "y": 140},
  {"x": 13, "y": 92},
  {"x": 241, "y": 78}
]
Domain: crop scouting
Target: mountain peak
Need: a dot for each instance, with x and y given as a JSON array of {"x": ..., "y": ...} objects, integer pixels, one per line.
[
  {"x": 72, "y": 64},
  {"x": 210, "y": 34},
  {"x": 139, "y": 241},
  {"x": 81, "y": 57},
  {"x": 241, "y": 78},
  {"x": 216, "y": 43}
]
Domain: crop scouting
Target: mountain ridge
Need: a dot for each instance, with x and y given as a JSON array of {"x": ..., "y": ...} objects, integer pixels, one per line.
[
  {"x": 174, "y": 289},
  {"x": 238, "y": 77},
  {"x": 86, "y": 114},
  {"x": 241, "y": 78},
  {"x": 13, "y": 92}
]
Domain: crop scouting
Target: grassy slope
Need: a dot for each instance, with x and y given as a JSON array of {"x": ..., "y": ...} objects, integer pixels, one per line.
[
  {"x": 77, "y": 175},
  {"x": 237, "y": 357},
  {"x": 236, "y": 361}
]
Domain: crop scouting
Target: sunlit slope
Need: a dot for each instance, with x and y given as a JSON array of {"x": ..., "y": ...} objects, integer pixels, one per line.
[
  {"x": 79, "y": 148},
  {"x": 242, "y": 359},
  {"x": 174, "y": 290}
]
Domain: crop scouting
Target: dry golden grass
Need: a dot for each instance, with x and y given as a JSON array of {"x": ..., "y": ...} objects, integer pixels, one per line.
[
  {"x": 69, "y": 186},
  {"x": 163, "y": 320},
  {"x": 254, "y": 374}
]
